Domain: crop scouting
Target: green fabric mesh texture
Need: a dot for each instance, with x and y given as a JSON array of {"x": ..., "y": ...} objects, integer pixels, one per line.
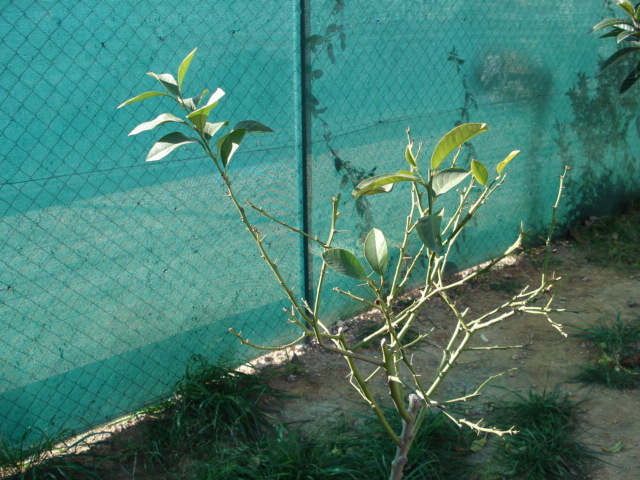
[{"x": 113, "y": 272}]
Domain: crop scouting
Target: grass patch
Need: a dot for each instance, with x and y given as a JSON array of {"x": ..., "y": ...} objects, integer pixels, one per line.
[
  {"x": 507, "y": 286},
  {"x": 547, "y": 445},
  {"x": 612, "y": 240},
  {"x": 438, "y": 453},
  {"x": 283, "y": 454},
  {"x": 217, "y": 426},
  {"x": 213, "y": 407},
  {"x": 345, "y": 453},
  {"x": 213, "y": 401},
  {"x": 46, "y": 458},
  {"x": 618, "y": 363}
]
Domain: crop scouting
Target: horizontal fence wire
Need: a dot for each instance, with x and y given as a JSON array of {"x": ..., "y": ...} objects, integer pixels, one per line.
[{"x": 114, "y": 271}]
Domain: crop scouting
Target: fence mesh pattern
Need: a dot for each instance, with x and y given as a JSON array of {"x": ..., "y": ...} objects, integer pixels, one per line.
[{"x": 113, "y": 271}]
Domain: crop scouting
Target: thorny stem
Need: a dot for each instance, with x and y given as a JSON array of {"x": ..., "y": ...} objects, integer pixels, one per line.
[
  {"x": 403, "y": 247},
  {"x": 253, "y": 232},
  {"x": 286, "y": 225},
  {"x": 554, "y": 209},
  {"x": 363, "y": 388},
  {"x": 396, "y": 326},
  {"x": 406, "y": 437},
  {"x": 395, "y": 352},
  {"x": 335, "y": 201}
]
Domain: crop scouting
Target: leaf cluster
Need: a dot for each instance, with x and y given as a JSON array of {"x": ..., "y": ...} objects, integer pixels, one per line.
[
  {"x": 547, "y": 444},
  {"x": 196, "y": 119},
  {"x": 627, "y": 31},
  {"x": 435, "y": 183}
]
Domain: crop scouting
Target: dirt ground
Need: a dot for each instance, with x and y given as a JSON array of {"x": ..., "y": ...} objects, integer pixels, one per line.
[{"x": 548, "y": 361}]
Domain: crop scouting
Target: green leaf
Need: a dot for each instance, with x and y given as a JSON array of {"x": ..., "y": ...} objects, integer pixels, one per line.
[
  {"x": 168, "y": 144},
  {"x": 376, "y": 191},
  {"x": 608, "y": 22},
  {"x": 184, "y": 67},
  {"x": 408, "y": 155},
  {"x": 617, "y": 56},
  {"x": 479, "y": 172},
  {"x": 168, "y": 82},
  {"x": 210, "y": 129},
  {"x": 228, "y": 145},
  {"x": 626, "y": 6},
  {"x": 159, "y": 120},
  {"x": 445, "y": 180},
  {"x": 614, "y": 32},
  {"x": 382, "y": 183},
  {"x": 428, "y": 228},
  {"x": 376, "y": 252},
  {"x": 614, "y": 448},
  {"x": 143, "y": 96},
  {"x": 478, "y": 444},
  {"x": 251, "y": 126},
  {"x": 622, "y": 36},
  {"x": 633, "y": 77},
  {"x": 626, "y": 26},
  {"x": 199, "y": 117},
  {"x": 344, "y": 262},
  {"x": 193, "y": 102},
  {"x": 506, "y": 161},
  {"x": 455, "y": 139}
]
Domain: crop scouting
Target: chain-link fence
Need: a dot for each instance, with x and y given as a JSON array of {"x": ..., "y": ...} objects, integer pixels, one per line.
[{"x": 114, "y": 272}]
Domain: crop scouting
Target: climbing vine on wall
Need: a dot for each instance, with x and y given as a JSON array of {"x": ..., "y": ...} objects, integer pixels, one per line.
[
  {"x": 469, "y": 101},
  {"x": 327, "y": 45}
]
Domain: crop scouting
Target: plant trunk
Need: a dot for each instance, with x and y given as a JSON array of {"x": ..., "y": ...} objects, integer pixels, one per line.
[{"x": 408, "y": 434}]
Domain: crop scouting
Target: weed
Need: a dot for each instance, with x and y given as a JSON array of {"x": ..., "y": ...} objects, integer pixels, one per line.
[
  {"x": 295, "y": 457},
  {"x": 284, "y": 454},
  {"x": 612, "y": 240},
  {"x": 46, "y": 458},
  {"x": 213, "y": 401},
  {"x": 215, "y": 410},
  {"x": 508, "y": 286},
  {"x": 618, "y": 363},
  {"x": 609, "y": 376},
  {"x": 547, "y": 445},
  {"x": 343, "y": 453}
]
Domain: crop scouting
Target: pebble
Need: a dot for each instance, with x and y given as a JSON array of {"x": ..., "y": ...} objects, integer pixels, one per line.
[
  {"x": 484, "y": 338},
  {"x": 632, "y": 303}
]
